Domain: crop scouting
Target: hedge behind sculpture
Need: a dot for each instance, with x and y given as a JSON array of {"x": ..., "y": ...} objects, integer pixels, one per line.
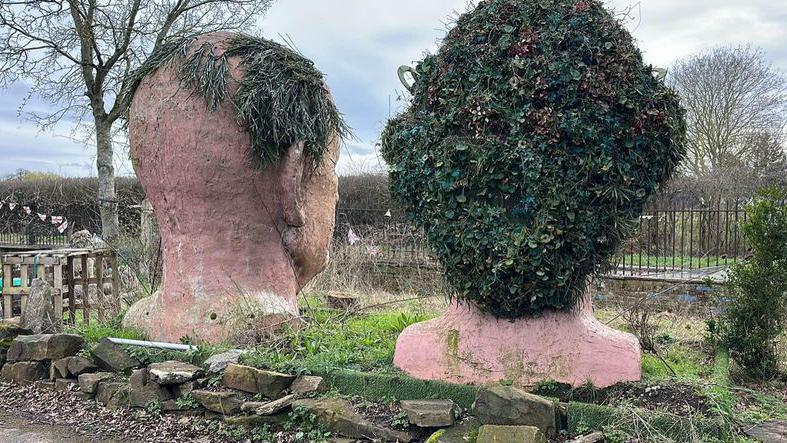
[{"x": 534, "y": 138}]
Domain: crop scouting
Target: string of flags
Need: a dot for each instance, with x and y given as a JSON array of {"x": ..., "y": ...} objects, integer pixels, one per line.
[
  {"x": 353, "y": 239},
  {"x": 57, "y": 220}
]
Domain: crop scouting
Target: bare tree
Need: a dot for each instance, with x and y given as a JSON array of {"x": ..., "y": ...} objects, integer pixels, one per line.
[
  {"x": 77, "y": 54},
  {"x": 737, "y": 109}
]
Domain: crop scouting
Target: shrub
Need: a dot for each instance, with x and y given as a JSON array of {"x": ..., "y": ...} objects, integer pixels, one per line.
[
  {"x": 74, "y": 198},
  {"x": 756, "y": 313},
  {"x": 533, "y": 140}
]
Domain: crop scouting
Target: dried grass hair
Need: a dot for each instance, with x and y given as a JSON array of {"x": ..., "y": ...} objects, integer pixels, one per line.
[{"x": 281, "y": 100}]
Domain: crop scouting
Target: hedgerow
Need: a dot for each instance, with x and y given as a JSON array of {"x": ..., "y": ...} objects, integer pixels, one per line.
[
  {"x": 72, "y": 198},
  {"x": 534, "y": 137}
]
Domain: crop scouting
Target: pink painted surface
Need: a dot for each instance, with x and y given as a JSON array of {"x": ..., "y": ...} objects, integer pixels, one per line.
[
  {"x": 467, "y": 346},
  {"x": 239, "y": 241}
]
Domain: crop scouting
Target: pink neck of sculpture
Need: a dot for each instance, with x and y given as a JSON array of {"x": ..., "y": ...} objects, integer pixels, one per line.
[{"x": 244, "y": 259}]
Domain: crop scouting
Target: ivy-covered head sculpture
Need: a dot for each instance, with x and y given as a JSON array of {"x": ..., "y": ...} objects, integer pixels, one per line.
[{"x": 534, "y": 138}]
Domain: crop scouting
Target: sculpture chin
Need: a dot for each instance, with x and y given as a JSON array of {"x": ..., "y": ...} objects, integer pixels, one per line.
[
  {"x": 469, "y": 347},
  {"x": 250, "y": 316}
]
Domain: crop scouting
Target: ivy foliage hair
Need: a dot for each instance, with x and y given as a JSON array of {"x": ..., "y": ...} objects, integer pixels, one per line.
[
  {"x": 533, "y": 140},
  {"x": 281, "y": 99}
]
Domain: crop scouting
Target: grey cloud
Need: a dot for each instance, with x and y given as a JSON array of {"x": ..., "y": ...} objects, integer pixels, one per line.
[{"x": 360, "y": 43}]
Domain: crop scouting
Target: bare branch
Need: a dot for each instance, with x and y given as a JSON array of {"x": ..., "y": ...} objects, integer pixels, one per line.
[{"x": 737, "y": 109}]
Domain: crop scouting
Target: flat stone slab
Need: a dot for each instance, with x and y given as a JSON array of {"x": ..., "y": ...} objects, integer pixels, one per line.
[
  {"x": 771, "y": 431},
  {"x": 41, "y": 347},
  {"x": 509, "y": 434},
  {"x": 71, "y": 367},
  {"x": 226, "y": 403},
  {"x": 251, "y": 406},
  {"x": 113, "y": 395},
  {"x": 80, "y": 365},
  {"x": 429, "y": 413},
  {"x": 25, "y": 372},
  {"x": 507, "y": 405},
  {"x": 174, "y": 372},
  {"x": 256, "y": 381},
  {"x": 219, "y": 362},
  {"x": 65, "y": 384},
  {"x": 338, "y": 416},
  {"x": 88, "y": 383},
  {"x": 308, "y": 384},
  {"x": 112, "y": 357},
  {"x": 144, "y": 390},
  {"x": 9, "y": 331},
  {"x": 276, "y": 406}
]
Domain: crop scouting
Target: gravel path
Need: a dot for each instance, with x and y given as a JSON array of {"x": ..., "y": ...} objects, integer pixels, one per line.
[
  {"x": 18, "y": 428},
  {"x": 34, "y": 414}
]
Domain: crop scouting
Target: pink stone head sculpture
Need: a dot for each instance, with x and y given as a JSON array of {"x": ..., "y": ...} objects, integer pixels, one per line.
[{"x": 240, "y": 236}]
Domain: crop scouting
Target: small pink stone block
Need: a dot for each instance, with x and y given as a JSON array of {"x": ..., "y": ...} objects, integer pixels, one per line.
[{"x": 469, "y": 347}]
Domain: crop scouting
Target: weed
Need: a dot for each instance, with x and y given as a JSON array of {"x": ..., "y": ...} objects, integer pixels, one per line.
[
  {"x": 400, "y": 420},
  {"x": 154, "y": 408},
  {"x": 95, "y": 331},
  {"x": 186, "y": 402},
  {"x": 214, "y": 380},
  {"x": 306, "y": 425}
]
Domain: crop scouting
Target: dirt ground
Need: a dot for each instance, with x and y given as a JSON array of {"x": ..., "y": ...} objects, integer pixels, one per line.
[{"x": 16, "y": 427}]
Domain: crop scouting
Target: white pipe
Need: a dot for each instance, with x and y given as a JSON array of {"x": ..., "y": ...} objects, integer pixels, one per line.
[
  {"x": 152, "y": 344},
  {"x": 158, "y": 344}
]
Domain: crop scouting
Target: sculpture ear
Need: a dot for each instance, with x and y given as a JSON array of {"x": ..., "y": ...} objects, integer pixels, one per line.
[{"x": 290, "y": 176}]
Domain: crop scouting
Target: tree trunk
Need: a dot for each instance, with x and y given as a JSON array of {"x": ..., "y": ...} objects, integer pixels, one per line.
[{"x": 107, "y": 195}]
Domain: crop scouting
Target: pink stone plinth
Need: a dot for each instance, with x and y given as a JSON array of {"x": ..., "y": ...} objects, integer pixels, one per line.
[
  {"x": 470, "y": 347},
  {"x": 239, "y": 240}
]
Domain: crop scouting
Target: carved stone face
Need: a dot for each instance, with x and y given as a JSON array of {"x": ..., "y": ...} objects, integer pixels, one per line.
[{"x": 239, "y": 240}]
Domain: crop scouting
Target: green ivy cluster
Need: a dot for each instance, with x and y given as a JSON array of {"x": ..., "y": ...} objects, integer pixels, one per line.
[{"x": 534, "y": 137}]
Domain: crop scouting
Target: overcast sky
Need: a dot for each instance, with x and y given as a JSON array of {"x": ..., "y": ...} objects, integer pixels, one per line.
[{"x": 359, "y": 44}]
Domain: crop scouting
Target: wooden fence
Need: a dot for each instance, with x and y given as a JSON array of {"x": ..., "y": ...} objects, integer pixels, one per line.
[{"x": 66, "y": 270}]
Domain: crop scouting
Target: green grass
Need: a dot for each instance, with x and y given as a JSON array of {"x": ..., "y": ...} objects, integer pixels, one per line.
[
  {"x": 687, "y": 363},
  {"x": 97, "y": 330},
  {"x": 627, "y": 423},
  {"x": 363, "y": 342}
]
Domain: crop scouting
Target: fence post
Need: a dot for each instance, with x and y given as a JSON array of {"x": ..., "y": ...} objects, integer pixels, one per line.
[{"x": 8, "y": 298}]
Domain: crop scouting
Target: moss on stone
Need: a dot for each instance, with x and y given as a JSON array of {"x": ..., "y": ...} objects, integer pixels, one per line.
[
  {"x": 453, "y": 342},
  {"x": 434, "y": 438}
]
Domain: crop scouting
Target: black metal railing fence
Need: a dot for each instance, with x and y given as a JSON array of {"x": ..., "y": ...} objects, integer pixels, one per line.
[{"x": 671, "y": 238}]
